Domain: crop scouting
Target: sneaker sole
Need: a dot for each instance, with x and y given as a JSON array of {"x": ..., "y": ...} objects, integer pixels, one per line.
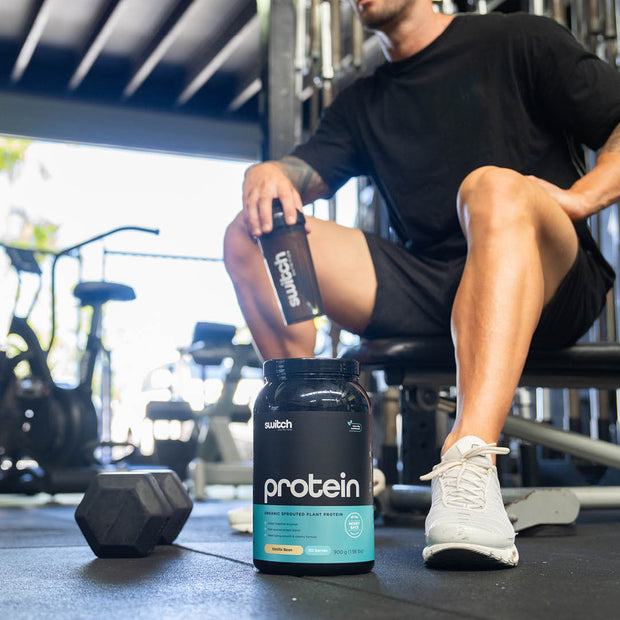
[{"x": 462, "y": 555}]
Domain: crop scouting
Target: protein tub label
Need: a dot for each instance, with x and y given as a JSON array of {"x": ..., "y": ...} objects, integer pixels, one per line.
[
  {"x": 314, "y": 535},
  {"x": 313, "y": 488}
]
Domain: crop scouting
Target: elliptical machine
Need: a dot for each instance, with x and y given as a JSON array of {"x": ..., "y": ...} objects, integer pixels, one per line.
[{"x": 54, "y": 426}]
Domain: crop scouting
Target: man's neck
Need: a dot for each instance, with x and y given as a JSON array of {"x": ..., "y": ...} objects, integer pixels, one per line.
[{"x": 412, "y": 34}]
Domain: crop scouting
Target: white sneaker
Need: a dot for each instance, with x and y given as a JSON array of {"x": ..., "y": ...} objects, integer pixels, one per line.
[
  {"x": 240, "y": 519},
  {"x": 467, "y": 525}
]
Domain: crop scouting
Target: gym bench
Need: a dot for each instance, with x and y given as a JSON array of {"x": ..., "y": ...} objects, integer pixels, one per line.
[{"x": 424, "y": 368}]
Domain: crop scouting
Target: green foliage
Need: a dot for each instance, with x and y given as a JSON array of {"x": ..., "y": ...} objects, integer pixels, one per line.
[
  {"x": 44, "y": 235},
  {"x": 39, "y": 234},
  {"x": 34, "y": 235},
  {"x": 11, "y": 151}
]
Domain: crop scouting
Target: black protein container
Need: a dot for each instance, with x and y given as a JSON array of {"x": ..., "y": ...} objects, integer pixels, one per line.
[
  {"x": 313, "y": 499},
  {"x": 288, "y": 259}
]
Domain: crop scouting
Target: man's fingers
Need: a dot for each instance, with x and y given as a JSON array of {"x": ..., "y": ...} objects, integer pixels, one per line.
[
  {"x": 291, "y": 204},
  {"x": 262, "y": 184},
  {"x": 265, "y": 207},
  {"x": 252, "y": 216}
]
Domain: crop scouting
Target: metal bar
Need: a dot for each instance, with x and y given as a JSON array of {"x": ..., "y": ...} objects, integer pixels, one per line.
[
  {"x": 558, "y": 11},
  {"x": 578, "y": 20},
  {"x": 537, "y": 7},
  {"x": 357, "y": 38},
  {"x": 612, "y": 15},
  {"x": 315, "y": 60},
  {"x": 336, "y": 35},
  {"x": 301, "y": 53},
  {"x": 327, "y": 67},
  {"x": 610, "y": 31},
  {"x": 281, "y": 106},
  {"x": 578, "y": 379},
  {"x": 301, "y": 58},
  {"x": 166, "y": 256},
  {"x": 594, "y": 24},
  {"x": 601, "y": 452},
  {"x": 413, "y": 497}
]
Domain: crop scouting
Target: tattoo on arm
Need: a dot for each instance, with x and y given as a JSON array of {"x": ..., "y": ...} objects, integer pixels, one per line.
[
  {"x": 613, "y": 142},
  {"x": 306, "y": 180}
]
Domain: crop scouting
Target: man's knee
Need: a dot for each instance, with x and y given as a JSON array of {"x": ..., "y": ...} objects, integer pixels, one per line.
[
  {"x": 240, "y": 251},
  {"x": 495, "y": 197}
]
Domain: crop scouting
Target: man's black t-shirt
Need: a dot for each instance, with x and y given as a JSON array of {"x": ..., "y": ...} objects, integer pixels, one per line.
[{"x": 515, "y": 91}]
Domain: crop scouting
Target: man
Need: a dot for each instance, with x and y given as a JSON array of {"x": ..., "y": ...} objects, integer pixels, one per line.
[{"x": 486, "y": 114}]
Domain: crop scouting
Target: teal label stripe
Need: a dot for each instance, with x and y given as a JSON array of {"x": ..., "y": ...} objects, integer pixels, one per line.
[{"x": 311, "y": 534}]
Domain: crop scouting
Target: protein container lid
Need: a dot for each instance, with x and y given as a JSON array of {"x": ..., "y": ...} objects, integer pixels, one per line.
[{"x": 315, "y": 366}]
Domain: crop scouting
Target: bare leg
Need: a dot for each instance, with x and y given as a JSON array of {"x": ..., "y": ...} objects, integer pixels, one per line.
[
  {"x": 346, "y": 279},
  {"x": 521, "y": 244}
]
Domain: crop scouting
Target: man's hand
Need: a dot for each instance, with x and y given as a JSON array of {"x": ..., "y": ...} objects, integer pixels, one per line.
[
  {"x": 575, "y": 204},
  {"x": 594, "y": 191},
  {"x": 262, "y": 183}
]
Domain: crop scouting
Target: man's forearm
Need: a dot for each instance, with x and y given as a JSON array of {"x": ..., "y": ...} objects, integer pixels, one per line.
[
  {"x": 602, "y": 183},
  {"x": 304, "y": 178},
  {"x": 613, "y": 142}
]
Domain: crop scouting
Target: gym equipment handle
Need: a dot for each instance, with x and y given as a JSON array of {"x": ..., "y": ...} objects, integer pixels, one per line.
[{"x": 153, "y": 231}]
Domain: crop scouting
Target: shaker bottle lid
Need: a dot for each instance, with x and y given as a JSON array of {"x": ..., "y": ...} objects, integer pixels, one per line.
[{"x": 278, "y": 216}]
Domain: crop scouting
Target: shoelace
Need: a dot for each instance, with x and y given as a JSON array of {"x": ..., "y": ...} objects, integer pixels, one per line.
[{"x": 466, "y": 489}]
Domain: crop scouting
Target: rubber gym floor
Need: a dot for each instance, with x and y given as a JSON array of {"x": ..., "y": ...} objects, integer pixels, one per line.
[{"x": 47, "y": 571}]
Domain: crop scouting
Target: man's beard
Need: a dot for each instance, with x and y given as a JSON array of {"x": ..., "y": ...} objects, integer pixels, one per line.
[{"x": 387, "y": 14}]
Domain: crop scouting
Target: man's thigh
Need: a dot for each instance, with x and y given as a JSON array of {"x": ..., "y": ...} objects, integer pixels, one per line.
[
  {"x": 492, "y": 198},
  {"x": 372, "y": 287},
  {"x": 345, "y": 272}
]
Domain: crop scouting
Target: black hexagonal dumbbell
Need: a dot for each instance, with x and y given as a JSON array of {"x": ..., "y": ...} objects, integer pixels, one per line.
[
  {"x": 126, "y": 514},
  {"x": 177, "y": 496}
]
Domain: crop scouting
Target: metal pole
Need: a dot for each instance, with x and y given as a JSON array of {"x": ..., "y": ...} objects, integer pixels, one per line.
[
  {"x": 611, "y": 31},
  {"x": 280, "y": 105},
  {"x": 402, "y": 497},
  {"x": 601, "y": 452},
  {"x": 357, "y": 41},
  {"x": 558, "y": 11},
  {"x": 315, "y": 56}
]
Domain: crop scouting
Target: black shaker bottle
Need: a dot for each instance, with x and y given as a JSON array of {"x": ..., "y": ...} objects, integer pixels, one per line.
[{"x": 288, "y": 259}]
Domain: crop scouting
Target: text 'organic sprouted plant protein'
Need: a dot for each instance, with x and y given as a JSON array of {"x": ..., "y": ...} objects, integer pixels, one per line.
[{"x": 313, "y": 501}]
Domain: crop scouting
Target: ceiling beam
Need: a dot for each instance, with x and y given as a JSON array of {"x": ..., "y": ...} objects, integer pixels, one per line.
[
  {"x": 224, "y": 46},
  {"x": 249, "y": 88},
  {"x": 65, "y": 120},
  {"x": 39, "y": 18},
  {"x": 106, "y": 23},
  {"x": 160, "y": 44}
]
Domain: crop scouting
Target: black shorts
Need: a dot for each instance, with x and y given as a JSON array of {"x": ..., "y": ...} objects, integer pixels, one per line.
[{"x": 415, "y": 295}]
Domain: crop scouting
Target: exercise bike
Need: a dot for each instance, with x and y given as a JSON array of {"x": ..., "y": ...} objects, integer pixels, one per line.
[{"x": 49, "y": 432}]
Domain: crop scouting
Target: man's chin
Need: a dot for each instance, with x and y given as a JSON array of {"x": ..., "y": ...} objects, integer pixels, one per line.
[
  {"x": 375, "y": 22},
  {"x": 372, "y": 22}
]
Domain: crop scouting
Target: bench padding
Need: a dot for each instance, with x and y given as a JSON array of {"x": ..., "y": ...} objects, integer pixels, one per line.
[{"x": 431, "y": 360}]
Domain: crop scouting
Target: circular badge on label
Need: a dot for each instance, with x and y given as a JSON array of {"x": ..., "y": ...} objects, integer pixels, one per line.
[{"x": 354, "y": 525}]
